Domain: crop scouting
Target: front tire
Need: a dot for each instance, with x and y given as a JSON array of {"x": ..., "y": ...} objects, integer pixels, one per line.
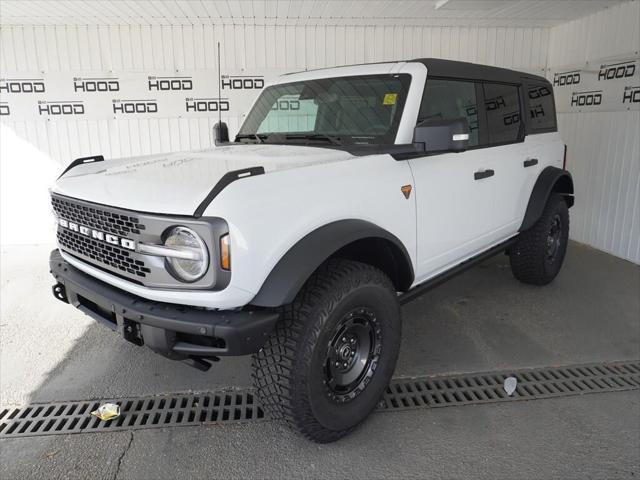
[
  {"x": 328, "y": 362},
  {"x": 537, "y": 256}
]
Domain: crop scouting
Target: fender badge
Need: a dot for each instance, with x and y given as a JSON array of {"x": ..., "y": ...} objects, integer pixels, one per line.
[{"x": 406, "y": 191}]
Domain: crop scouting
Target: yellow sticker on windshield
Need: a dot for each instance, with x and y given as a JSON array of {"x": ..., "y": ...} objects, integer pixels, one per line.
[{"x": 389, "y": 98}]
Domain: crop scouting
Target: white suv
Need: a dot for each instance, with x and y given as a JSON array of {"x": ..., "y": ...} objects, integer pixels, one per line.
[{"x": 346, "y": 192}]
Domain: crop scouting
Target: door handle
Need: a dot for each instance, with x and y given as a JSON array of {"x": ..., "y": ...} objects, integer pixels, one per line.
[
  {"x": 530, "y": 162},
  {"x": 483, "y": 174}
]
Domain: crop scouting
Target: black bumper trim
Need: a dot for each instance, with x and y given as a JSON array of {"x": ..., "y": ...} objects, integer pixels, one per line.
[{"x": 157, "y": 323}]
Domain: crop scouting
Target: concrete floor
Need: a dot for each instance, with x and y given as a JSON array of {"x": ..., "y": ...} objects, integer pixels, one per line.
[{"x": 481, "y": 320}]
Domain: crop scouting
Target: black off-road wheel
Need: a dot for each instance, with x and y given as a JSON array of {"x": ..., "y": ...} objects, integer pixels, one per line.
[
  {"x": 328, "y": 362},
  {"x": 537, "y": 256}
]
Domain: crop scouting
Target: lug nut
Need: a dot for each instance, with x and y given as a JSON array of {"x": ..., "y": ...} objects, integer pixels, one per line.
[{"x": 344, "y": 364}]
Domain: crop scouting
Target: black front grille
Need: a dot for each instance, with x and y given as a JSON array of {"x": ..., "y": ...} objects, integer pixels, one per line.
[
  {"x": 95, "y": 251},
  {"x": 97, "y": 218},
  {"x": 110, "y": 255}
]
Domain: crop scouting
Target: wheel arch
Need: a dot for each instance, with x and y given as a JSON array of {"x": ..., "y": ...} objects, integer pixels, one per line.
[
  {"x": 551, "y": 180},
  {"x": 353, "y": 239}
]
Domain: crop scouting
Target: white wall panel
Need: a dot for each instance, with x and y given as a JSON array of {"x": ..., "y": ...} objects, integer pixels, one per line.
[
  {"x": 604, "y": 158},
  {"x": 604, "y": 154},
  {"x": 613, "y": 32},
  {"x": 144, "y": 47}
]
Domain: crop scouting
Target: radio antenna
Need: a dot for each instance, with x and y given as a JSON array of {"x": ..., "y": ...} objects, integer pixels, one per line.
[{"x": 219, "y": 91}]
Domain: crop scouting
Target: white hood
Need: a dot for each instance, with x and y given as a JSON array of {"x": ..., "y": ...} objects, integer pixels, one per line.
[{"x": 176, "y": 183}]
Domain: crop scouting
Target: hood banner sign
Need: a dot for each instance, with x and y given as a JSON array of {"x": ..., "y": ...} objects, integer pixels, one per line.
[
  {"x": 99, "y": 95},
  {"x": 610, "y": 86}
]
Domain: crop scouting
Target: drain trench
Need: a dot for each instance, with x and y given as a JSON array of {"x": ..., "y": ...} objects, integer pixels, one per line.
[
  {"x": 533, "y": 384},
  {"x": 229, "y": 406},
  {"x": 135, "y": 413}
]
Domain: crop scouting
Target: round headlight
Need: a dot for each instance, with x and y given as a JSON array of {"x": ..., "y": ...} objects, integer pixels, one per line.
[{"x": 191, "y": 269}]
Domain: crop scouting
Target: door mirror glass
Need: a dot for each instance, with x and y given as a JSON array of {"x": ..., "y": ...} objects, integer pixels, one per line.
[
  {"x": 443, "y": 135},
  {"x": 221, "y": 133}
]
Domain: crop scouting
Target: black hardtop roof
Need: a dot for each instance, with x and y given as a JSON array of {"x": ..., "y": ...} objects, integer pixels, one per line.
[
  {"x": 472, "y": 71},
  {"x": 440, "y": 67}
]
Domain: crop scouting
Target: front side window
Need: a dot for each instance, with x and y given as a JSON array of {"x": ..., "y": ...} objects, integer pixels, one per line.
[
  {"x": 343, "y": 110},
  {"x": 449, "y": 99},
  {"x": 502, "y": 105}
]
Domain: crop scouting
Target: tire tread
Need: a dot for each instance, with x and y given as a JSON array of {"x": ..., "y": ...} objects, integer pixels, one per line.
[
  {"x": 275, "y": 366},
  {"x": 527, "y": 256}
]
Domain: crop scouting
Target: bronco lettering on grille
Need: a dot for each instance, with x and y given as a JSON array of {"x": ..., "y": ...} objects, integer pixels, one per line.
[{"x": 98, "y": 235}]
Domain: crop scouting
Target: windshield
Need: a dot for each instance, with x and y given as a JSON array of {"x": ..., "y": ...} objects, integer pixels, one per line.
[{"x": 342, "y": 110}]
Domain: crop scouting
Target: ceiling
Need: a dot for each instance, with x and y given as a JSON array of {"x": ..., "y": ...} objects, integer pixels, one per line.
[{"x": 529, "y": 13}]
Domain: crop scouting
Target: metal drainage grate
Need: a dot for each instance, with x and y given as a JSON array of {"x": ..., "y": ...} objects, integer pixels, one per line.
[
  {"x": 535, "y": 383},
  {"x": 135, "y": 413},
  {"x": 241, "y": 405}
]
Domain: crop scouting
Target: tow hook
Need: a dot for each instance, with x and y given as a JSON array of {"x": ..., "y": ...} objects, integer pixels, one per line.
[{"x": 60, "y": 292}]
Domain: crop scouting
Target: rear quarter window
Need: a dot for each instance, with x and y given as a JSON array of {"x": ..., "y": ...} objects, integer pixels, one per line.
[{"x": 541, "y": 108}]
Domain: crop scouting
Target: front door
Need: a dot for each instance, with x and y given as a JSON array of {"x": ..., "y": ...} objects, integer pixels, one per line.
[{"x": 455, "y": 192}]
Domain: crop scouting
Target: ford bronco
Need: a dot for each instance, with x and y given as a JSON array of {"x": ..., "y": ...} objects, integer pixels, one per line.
[{"x": 346, "y": 192}]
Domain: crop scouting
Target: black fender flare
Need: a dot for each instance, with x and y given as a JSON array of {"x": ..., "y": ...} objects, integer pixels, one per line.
[
  {"x": 551, "y": 180},
  {"x": 296, "y": 266}
]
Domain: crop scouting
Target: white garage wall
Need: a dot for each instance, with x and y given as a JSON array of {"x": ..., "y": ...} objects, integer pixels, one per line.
[
  {"x": 603, "y": 147},
  {"x": 252, "y": 49}
]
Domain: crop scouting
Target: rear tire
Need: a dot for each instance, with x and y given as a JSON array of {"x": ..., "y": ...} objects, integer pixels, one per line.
[
  {"x": 537, "y": 256},
  {"x": 328, "y": 362}
]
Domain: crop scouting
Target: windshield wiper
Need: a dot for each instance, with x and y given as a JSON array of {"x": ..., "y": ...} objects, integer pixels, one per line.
[
  {"x": 255, "y": 136},
  {"x": 316, "y": 136}
]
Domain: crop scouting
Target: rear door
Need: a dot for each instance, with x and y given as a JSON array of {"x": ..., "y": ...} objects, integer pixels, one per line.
[
  {"x": 506, "y": 148},
  {"x": 543, "y": 144},
  {"x": 454, "y": 191}
]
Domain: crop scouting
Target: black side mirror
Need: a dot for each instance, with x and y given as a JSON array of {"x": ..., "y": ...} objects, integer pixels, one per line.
[
  {"x": 443, "y": 135},
  {"x": 221, "y": 133}
]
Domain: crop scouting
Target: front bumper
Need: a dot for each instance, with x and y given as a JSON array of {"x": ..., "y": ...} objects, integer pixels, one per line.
[{"x": 175, "y": 331}]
